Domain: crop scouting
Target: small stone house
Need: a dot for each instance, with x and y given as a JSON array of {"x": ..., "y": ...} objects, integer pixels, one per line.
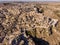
[{"x": 55, "y": 21}]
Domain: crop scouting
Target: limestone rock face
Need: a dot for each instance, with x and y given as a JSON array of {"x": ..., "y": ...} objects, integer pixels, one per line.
[{"x": 24, "y": 24}]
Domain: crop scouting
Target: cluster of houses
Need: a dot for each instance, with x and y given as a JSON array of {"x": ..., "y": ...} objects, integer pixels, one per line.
[{"x": 46, "y": 20}]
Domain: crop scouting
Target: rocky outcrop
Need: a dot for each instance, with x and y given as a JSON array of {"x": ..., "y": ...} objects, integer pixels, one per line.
[{"x": 21, "y": 24}]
